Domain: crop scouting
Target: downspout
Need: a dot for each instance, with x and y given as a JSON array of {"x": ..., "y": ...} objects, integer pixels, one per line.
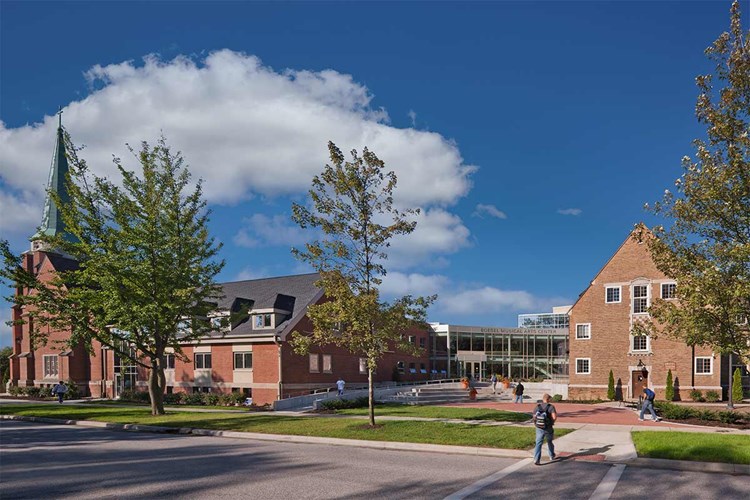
[{"x": 692, "y": 368}]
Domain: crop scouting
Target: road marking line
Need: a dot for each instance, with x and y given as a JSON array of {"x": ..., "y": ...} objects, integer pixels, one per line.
[
  {"x": 483, "y": 483},
  {"x": 609, "y": 481}
]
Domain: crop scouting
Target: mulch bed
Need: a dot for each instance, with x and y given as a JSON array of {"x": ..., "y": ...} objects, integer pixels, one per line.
[{"x": 711, "y": 423}]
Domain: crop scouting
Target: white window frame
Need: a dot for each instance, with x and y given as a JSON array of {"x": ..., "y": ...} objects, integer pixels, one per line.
[
  {"x": 203, "y": 356},
  {"x": 661, "y": 290},
  {"x": 262, "y": 317},
  {"x": 167, "y": 357},
  {"x": 619, "y": 294},
  {"x": 632, "y": 344},
  {"x": 633, "y": 298},
  {"x": 587, "y": 360},
  {"x": 243, "y": 355},
  {"x": 327, "y": 363},
  {"x": 588, "y": 330},
  {"x": 362, "y": 366},
  {"x": 314, "y": 363},
  {"x": 48, "y": 361},
  {"x": 710, "y": 365}
]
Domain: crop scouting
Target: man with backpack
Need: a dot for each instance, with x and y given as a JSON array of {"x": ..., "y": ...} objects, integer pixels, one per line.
[
  {"x": 648, "y": 404},
  {"x": 519, "y": 392},
  {"x": 544, "y": 421},
  {"x": 59, "y": 390}
]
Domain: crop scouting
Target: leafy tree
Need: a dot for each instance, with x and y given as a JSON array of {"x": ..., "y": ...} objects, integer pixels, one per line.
[
  {"x": 5, "y": 354},
  {"x": 707, "y": 246},
  {"x": 611, "y": 387},
  {"x": 737, "y": 394},
  {"x": 669, "y": 390},
  {"x": 352, "y": 205},
  {"x": 146, "y": 264}
]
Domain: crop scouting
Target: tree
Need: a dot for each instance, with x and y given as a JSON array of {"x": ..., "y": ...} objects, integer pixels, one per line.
[
  {"x": 350, "y": 199},
  {"x": 707, "y": 246},
  {"x": 611, "y": 387},
  {"x": 145, "y": 280},
  {"x": 737, "y": 393},
  {"x": 5, "y": 354},
  {"x": 669, "y": 390}
]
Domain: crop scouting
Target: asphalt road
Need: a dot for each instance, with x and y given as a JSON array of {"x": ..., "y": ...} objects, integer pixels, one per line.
[{"x": 58, "y": 461}]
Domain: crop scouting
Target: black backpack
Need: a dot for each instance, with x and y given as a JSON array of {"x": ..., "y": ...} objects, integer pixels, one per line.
[{"x": 542, "y": 418}]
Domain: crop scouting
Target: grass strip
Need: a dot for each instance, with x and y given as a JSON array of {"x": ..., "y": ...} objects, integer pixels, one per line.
[
  {"x": 400, "y": 410},
  {"x": 485, "y": 436},
  {"x": 701, "y": 447}
]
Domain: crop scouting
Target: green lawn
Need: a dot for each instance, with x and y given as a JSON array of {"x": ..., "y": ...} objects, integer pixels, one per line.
[
  {"x": 400, "y": 410},
  {"x": 117, "y": 402},
  {"x": 349, "y": 428},
  {"x": 702, "y": 447}
]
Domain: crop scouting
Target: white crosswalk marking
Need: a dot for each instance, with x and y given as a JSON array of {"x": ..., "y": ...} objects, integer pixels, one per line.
[
  {"x": 608, "y": 483},
  {"x": 483, "y": 483}
]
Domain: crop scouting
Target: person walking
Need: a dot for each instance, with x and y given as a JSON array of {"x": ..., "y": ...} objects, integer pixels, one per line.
[
  {"x": 648, "y": 404},
  {"x": 59, "y": 390},
  {"x": 544, "y": 421},
  {"x": 493, "y": 379},
  {"x": 519, "y": 392},
  {"x": 340, "y": 386}
]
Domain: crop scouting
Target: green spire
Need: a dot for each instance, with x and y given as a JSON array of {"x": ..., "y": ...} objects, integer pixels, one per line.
[{"x": 52, "y": 223}]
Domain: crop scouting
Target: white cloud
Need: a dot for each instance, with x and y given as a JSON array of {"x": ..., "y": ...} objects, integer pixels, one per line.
[
  {"x": 570, "y": 211},
  {"x": 249, "y": 273},
  {"x": 243, "y": 127},
  {"x": 412, "y": 117},
  {"x": 262, "y": 230},
  {"x": 397, "y": 284},
  {"x": 21, "y": 212},
  {"x": 491, "y": 210}
]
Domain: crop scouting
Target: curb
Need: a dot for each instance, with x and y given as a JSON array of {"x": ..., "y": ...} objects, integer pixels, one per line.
[{"x": 653, "y": 463}]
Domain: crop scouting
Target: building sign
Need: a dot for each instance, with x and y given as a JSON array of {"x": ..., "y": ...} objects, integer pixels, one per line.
[{"x": 524, "y": 331}]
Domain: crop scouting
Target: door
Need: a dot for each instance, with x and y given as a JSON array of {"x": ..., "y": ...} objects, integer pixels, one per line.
[
  {"x": 117, "y": 387},
  {"x": 639, "y": 382}
]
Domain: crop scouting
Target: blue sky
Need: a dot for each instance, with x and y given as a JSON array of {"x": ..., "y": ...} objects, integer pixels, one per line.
[{"x": 530, "y": 133}]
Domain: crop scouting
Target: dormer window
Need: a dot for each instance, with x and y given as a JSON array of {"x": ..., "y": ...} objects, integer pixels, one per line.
[
  {"x": 263, "y": 321},
  {"x": 220, "y": 323}
]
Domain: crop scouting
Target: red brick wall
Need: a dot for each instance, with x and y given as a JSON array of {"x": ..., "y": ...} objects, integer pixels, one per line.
[{"x": 609, "y": 346}]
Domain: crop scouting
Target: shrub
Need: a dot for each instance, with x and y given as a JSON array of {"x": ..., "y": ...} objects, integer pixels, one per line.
[
  {"x": 195, "y": 398},
  {"x": 676, "y": 412},
  {"x": 45, "y": 392},
  {"x": 730, "y": 417},
  {"x": 342, "y": 404},
  {"x": 33, "y": 392},
  {"x": 231, "y": 398},
  {"x": 134, "y": 396},
  {"x": 707, "y": 415},
  {"x": 611, "y": 386},
  {"x": 73, "y": 392},
  {"x": 557, "y": 398},
  {"x": 173, "y": 399},
  {"x": 14, "y": 390},
  {"x": 210, "y": 399},
  {"x": 669, "y": 390},
  {"x": 696, "y": 395},
  {"x": 712, "y": 396},
  {"x": 737, "y": 385}
]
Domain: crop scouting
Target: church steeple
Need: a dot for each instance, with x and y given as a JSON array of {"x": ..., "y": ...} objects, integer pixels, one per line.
[{"x": 52, "y": 223}]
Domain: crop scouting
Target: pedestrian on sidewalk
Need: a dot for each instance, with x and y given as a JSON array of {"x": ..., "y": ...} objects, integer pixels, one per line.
[
  {"x": 494, "y": 383},
  {"x": 544, "y": 421},
  {"x": 340, "y": 386},
  {"x": 519, "y": 392},
  {"x": 59, "y": 390},
  {"x": 648, "y": 404}
]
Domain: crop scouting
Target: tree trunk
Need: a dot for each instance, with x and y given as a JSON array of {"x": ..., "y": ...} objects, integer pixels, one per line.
[
  {"x": 730, "y": 403},
  {"x": 371, "y": 394},
  {"x": 156, "y": 383}
]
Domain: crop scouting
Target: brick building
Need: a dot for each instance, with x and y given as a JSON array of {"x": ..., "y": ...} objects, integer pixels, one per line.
[
  {"x": 601, "y": 322},
  {"x": 252, "y": 356}
]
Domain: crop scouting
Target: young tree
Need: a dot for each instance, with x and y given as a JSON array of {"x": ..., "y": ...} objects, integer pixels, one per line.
[
  {"x": 5, "y": 354},
  {"x": 611, "y": 394},
  {"x": 146, "y": 264},
  {"x": 350, "y": 199},
  {"x": 707, "y": 246},
  {"x": 737, "y": 393},
  {"x": 669, "y": 390}
]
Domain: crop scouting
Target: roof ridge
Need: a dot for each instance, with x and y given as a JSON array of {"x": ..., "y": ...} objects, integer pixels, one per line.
[{"x": 269, "y": 278}]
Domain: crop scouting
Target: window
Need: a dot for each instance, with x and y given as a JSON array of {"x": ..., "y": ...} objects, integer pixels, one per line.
[
  {"x": 612, "y": 295},
  {"x": 640, "y": 343},
  {"x": 243, "y": 361},
  {"x": 202, "y": 360},
  {"x": 327, "y": 368},
  {"x": 362, "y": 365},
  {"x": 640, "y": 299},
  {"x": 314, "y": 366},
  {"x": 412, "y": 339},
  {"x": 583, "y": 331},
  {"x": 263, "y": 320},
  {"x": 704, "y": 366},
  {"x": 412, "y": 368},
  {"x": 668, "y": 290},
  {"x": 422, "y": 368},
  {"x": 422, "y": 342},
  {"x": 219, "y": 323},
  {"x": 583, "y": 366},
  {"x": 400, "y": 366},
  {"x": 51, "y": 366},
  {"x": 169, "y": 361}
]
